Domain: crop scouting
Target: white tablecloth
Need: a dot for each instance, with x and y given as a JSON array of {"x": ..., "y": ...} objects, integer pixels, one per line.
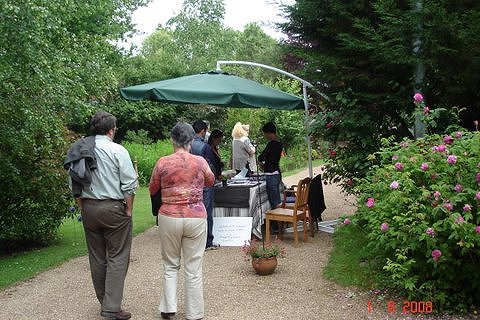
[{"x": 256, "y": 194}]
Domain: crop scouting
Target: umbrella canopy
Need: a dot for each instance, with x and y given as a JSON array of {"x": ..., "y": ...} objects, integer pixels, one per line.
[{"x": 214, "y": 88}]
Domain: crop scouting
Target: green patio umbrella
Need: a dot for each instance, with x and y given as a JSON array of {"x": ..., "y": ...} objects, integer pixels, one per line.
[{"x": 214, "y": 88}]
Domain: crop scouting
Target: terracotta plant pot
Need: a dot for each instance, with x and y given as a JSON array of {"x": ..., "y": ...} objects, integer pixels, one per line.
[{"x": 264, "y": 266}]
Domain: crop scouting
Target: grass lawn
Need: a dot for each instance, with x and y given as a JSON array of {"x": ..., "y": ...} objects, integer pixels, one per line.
[
  {"x": 315, "y": 163},
  {"x": 71, "y": 244},
  {"x": 346, "y": 265}
]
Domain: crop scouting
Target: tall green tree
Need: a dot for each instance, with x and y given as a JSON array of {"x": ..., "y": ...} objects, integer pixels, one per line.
[
  {"x": 192, "y": 42},
  {"x": 56, "y": 61},
  {"x": 361, "y": 54}
]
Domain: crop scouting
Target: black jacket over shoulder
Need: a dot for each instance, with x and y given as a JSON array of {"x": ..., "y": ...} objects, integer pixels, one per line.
[{"x": 79, "y": 162}]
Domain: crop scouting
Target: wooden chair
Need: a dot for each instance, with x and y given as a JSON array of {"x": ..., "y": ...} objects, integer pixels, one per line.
[
  {"x": 288, "y": 202},
  {"x": 299, "y": 212}
]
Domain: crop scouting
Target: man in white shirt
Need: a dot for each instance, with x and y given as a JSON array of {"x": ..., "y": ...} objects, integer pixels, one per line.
[{"x": 107, "y": 216}]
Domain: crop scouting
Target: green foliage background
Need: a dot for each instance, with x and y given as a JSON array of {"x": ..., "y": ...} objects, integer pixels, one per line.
[
  {"x": 56, "y": 59},
  {"x": 361, "y": 53}
]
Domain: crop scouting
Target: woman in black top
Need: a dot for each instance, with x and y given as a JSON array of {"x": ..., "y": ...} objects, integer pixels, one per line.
[
  {"x": 214, "y": 141},
  {"x": 270, "y": 161}
]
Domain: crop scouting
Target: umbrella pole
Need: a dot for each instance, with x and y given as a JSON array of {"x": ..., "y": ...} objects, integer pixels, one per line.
[
  {"x": 260, "y": 202},
  {"x": 309, "y": 142}
]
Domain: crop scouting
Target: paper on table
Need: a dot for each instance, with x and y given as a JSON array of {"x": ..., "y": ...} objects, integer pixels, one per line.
[{"x": 242, "y": 174}]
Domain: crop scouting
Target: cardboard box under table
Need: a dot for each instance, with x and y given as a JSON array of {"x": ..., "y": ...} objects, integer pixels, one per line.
[{"x": 242, "y": 200}]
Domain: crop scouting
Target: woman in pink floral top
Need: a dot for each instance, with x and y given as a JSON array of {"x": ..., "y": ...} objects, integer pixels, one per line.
[{"x": 182, "y": 221}]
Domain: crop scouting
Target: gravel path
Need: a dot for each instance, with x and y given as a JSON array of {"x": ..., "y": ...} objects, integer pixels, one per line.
[{"x": 296, "y": 290}]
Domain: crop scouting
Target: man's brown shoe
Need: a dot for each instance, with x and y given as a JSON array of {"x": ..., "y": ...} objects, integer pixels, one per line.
[{"x": 121, "y": 315}]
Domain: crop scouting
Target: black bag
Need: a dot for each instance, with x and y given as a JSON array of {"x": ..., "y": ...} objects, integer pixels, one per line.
[{"x": 156, "y": 201}]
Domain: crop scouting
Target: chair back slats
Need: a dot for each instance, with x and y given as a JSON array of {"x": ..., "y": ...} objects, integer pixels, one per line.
[{"x": 301, "y": 202}]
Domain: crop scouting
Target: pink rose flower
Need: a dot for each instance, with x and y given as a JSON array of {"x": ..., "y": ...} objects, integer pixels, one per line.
[
  {"x": 384, "y": 227},
  {"x": 442, "y": 148},
  {"x": 448, "y": 206},
  {"x": 399, "y": 166},
  {"x": 459, "y": 220},
  {"x": 458, "y": 134},
  {"x": 448, "y": 139},
  {"x": 458, "y": 187},
  {"x": 475, "y": 122},
  {"x": 371, "y": 202},
  {"x": 404, "y": 144},
  {"x": 424, "y": 166},
  {"x": 467, "y": 208},
  {"x": 437, "y": 195},
  {"x": 395, "y": 157},
  {"x": 477, "y": 229},
  {"x": 452, "y": 159},
  {"x": 477, "y": 195},
  {"x": 346, "y": 221},
  {"x": 394, "y": 185},
  {"x": 477, "y": 177},
  {"x": 436, "y": 254},
  {"x": 426, "y": 110},
  {"x": 430, "y": 232},
  {"x": 417, "y": 97}
]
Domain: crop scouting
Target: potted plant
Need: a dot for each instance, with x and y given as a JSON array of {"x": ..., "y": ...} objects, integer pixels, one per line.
[{"x": 264, "y": 255}]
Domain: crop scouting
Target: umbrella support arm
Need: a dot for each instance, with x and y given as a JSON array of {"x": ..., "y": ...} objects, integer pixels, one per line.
[{"x": 305, "y": 85}]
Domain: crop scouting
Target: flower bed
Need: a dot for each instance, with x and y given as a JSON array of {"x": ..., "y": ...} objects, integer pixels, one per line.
[{"x": 419, "y": 207}]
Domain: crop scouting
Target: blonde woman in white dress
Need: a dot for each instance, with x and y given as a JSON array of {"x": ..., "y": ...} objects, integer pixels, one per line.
[{"x": 242, "y": 148}]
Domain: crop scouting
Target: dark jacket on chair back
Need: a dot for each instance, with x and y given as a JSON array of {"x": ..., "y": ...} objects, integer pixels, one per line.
[{"x": 316, "y": 200}]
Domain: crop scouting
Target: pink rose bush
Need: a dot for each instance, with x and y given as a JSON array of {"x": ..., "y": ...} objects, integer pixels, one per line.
[
  {"x": 436, "y": 254},
  {"x": 394, "y": 185},
  {"x": 459, "y": 219},
  {"x": 370, "y": 202},
  {"x": 423, "y": 217},
  {"x": 448, "y": 139},
  {"x": 452, "y": 159},
  {"x": 418, "y": 97},
  {"x": 430, "y": 231},
  {"x": 458, "y": 187}
]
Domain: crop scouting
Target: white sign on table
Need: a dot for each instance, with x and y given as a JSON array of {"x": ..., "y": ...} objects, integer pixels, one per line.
[{"x": 232, "y": 231}]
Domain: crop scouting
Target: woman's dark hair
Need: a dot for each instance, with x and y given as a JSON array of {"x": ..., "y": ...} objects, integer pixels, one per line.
[
  {"x": 269, "y": 127},
  {"x": 214, "y": 135},
  {"x": 102, "y": 122},
  {"x": 182, "y": 135}
]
